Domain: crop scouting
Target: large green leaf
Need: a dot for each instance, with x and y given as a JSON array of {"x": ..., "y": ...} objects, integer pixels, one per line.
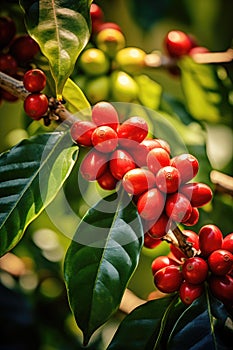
[
  {"x": 62, "y": 29},
  {"x": 143, "y": 328},
  {"x": 101, "y": 259},
  {"x": 31, "y": 174}
]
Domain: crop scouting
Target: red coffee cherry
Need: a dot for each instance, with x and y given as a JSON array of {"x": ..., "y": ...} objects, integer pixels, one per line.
[
  {"x": 177, "y": 43},
  {"x": 150, "y": 242},
  {"x": 195, "y": 270},
  {"x": 36, "y": 105},
  {"x": 220, "y": 262},
  {"x": 24, "y": 48},
  {"x": 93, "y": 165},
  {"x": 160, "y": 228},
  {"x": 8, "y": 64},
  {"x": 157, "y": 158},
  {"x": 164, "y": 144},
  {"x": 161, "y": 262},
  {"x": 141, "y": 150},
  {"x": 210, "y": 239},
  {"x": 222, "y": 287},
  {"x": 120, "y": 163},
  {"x": 7, "y": 96},
  {"x": 192, "y": 238},
  {"x": 168, "y": 279},
  {"x": 187, "y": 165},
  {"x": 97, "y": 17},
  {"x": 103, "y": 113},
  {"x": 107, "y": 181},
  {"x": 190, "y": 292},
  {"x": 7, "y": 31},
  {"x": 228, "y": 242},
  {"x": 34, "y": 80},
  {"x": 104, "y": 139},
  {"x": 81, "y": 132},
  {"x": 108, "y": 25},
  {"x": 150, "y": 204},
  {"x": 138, "y": 180},
  {"x": 168, "y": 179},
  {"x": 193, "y": 219},
  {"x": 133, "y": 130},
  {"x": 178, "y": 207},
  {"x": 198, "y": 193}
]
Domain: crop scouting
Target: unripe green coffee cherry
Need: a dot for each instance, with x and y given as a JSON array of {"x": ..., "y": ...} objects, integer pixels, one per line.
[
  {"x": 124, "y": 87},
  {"x": 94, "y": 62},
  {"x": 130, "y": 59},
  {"x": 97, "y": 89},
  {"x": 80, "y": 80},
  {"x": 110, "y": 41}
]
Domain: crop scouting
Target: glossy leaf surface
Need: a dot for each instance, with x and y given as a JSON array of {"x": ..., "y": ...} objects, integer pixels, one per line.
[
  {"x": 62, "y": 30},
  {"x": 101, "y": 259},
  {"x": 31, "y": 174}
]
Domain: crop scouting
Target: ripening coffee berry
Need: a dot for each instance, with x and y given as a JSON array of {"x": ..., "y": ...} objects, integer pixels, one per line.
[
  {"x": 177, "y": 43},
  {"x": 104, "y": 139},
  {"x": 195, "y": 270},
  {"x": 24, "y": 48},
  {"x": 133, "y": 130},
  {"x": 97, "y": 16},
  {"x": 220, "y": 262},
  {"x": 7, "y": 31},
  {"x": 193, "y": 219},
  {"x": 8, "y": 64},
  {"x": 190, "y": 292},
  {"x": 178, "y": 207},
  {"x": 150, "y": 242},
  {"x": 228, "y": 242},
  {"x": 107, "y": 181},
  {"x": 222, "y": 287},
  {"x": 187, "y": 165},
  {"x": 164, "y": 144},
  {"x": 103, "y": 113},
  {"x": 192, "y": 238},
  {"x": 161, "y": 262},
  {"x": 93, "y": 165},
  {"x": 168, "y": 279},
  {"x": 36, "y": 105},
  {"x": 157, "y": 158},
  {"x": 141, "y": 150},
  {"x": 150, "y": 204},
  {"x": 34, "y": 80},
  {"x": 138, "y": 180},
  {"x": 210, "y": 239},
  {"x": 120, "y": 163},
  {"x": 160, "y": 227},
  {"x": 81, "y": 132},
  {"x": 198, "y": 193},
  {"x": 168, "y": 179}
]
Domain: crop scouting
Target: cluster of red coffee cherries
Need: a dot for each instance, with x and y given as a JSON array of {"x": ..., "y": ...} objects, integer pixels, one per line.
[
  {"x": 16, "y": 53},
  {"x": 212, "y": 263},
  {"x": 158, "y": 183},
  {"x": 36, "y": 103}
]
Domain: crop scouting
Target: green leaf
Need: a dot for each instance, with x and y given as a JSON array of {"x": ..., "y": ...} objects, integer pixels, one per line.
[
  {"x": 201, "y": 90},
  {"x": 75, "y": 98},
  {"x": 149, "y": 91},
  {"x": 144, "y": 326},
  {"x": 62, "y": 29},
  {"x": 201, "y": 326},
  {"x": 101, "y": 259},
  {"x": 31, "y": 174}
]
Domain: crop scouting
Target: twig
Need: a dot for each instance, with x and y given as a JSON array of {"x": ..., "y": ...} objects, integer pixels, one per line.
[
  {"x": 13, "y": 86},
  {"x": 223, "y": 183}
]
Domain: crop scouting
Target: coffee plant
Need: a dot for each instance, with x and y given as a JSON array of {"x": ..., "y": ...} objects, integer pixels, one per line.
[{"x": 115, "y": 225}]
